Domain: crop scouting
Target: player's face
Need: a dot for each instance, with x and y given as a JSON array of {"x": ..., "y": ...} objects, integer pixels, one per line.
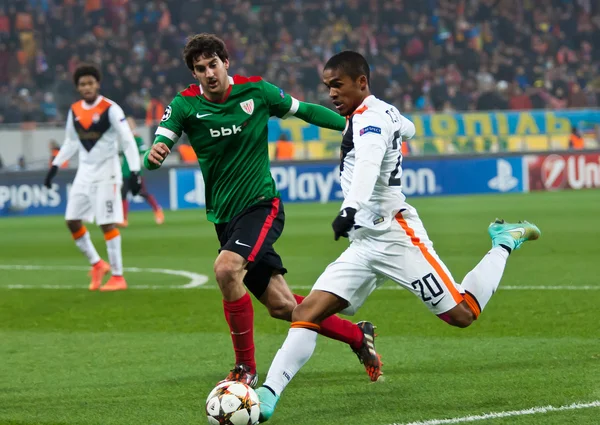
[
  {"x": 345, "y": 92},
  {"x": 88, "y": 88},
  {"x": 211, "y": 74}
]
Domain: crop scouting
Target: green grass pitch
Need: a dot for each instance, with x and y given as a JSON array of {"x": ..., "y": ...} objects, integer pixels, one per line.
[{"x": 151, "y": 356}]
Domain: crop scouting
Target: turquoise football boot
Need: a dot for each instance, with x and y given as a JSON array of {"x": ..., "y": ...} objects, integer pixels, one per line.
[
  {"x": 512, "y": 235},
  {"x": 268, "y": 401}
]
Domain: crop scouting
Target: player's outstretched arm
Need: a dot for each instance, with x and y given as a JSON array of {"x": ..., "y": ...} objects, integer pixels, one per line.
[
  {"x": 320, "y": 116},
  {"x": 283, "y": 105}
]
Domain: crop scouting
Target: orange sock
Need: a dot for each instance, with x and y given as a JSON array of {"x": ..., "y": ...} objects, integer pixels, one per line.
[
  {"x": 79, "y": 233},
  {"x": 111, "y": 234}
]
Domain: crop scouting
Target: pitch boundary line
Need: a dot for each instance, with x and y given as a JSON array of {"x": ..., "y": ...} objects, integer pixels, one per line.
[
  {"x": 196, "y": 280},
  {"x": 506, "y": 414}
]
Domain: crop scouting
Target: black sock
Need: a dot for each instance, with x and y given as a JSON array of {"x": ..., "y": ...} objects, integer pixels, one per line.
[
  {"x": 506, "y": 248},
  {"x": 270, "y": 389}
]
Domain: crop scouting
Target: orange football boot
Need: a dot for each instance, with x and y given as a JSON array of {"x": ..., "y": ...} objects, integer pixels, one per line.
[
  {"x": 115, "y": 283},
  {"x": 159, "y": 216},
  {"x": 97, "y": 273}
]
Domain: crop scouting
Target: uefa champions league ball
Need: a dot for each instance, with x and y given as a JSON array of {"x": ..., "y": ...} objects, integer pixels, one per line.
[{"x": 232, "y": 403}]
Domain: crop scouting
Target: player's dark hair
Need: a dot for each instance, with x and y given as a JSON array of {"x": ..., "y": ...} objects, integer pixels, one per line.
[
  {"x": 351, "y": 63},
  {"x": 206, "y": 46},
  {"x": 84, "y": 71}
]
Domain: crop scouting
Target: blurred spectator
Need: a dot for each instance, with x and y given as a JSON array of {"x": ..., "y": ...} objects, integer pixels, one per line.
[
  {"x": 284, "y": 148},
  {"x": 186, "y": 153},
  {"x": 49, "y": 108},
  {"x": 575, "y": 140},
  {"x": 425, "y": 55},
  {"x": 519, "y": 100},
  {"x": 19, "y": 166}
]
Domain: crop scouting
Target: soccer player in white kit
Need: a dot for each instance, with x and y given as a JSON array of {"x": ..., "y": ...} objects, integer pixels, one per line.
[
  {"x": 95, "y": 128},
  {"x": 387, "y": 238}
]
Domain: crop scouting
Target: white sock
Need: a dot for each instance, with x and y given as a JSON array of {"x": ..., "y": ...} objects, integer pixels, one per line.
[
  {"x": 115, "y": 258},
  {"x": 293, "y": 354},
  {"x": 85, "y": 245},
  {"x": 483, "y": 280}
]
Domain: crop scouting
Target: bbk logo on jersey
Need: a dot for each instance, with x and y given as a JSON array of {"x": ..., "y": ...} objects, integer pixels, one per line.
[
  {"x": 248, "y": 106},
  {"x": 225, "y": 131}
]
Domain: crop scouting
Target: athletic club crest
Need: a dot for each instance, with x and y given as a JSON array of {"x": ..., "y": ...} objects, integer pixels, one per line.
[{"x": 248, "y": 106}]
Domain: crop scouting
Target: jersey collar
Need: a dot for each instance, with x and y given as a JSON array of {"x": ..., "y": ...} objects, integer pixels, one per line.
[
  {"x": 87, "y": 106},
  {"x": 231, "y": 83}
]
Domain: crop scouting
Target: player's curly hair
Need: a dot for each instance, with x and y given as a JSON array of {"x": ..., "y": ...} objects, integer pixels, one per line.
[
  {"x": 84, "y": 71},
  {"x": 204, "y": 45},
  {"x": 351, "y": 63}
]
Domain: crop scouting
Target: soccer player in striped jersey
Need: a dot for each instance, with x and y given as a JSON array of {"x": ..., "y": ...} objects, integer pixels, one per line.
[
  {"x": 96, "y": 127},
  {"x": 225, "y": 119},
  {"x": 387, "y": 238}
]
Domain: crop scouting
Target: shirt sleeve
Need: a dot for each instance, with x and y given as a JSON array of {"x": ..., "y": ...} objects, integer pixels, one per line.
[
  {"x": 320, "y": 116},
  {"x": 280, "y": 104},
  {"x": 71, "y": 144},
  {"x": 171, "y": 125},
  {"x": 117, "y": 119},
  {"x": 408, "y": 128},
  {"x": 371, "y": 136}
]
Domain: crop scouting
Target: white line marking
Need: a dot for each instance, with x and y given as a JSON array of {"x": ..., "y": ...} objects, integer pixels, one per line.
[
  {"x": 496, "y": 415},
  {"x": 199, "y": 281},
  {"x": 196, "y": 279}
]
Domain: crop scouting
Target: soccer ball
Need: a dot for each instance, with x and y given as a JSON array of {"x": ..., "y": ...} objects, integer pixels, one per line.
[{"x": 232, "y": 403}]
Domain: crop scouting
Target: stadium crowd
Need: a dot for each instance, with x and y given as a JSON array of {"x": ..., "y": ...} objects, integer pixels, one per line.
[{"x": 426, "y": 55}]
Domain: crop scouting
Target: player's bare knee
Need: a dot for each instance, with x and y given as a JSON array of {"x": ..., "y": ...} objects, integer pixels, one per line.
[
  {"x": 460, "y": 316},
  {"x": 227, "y": 271},
  {"x": 74, "y": 225},
  {"x": 107, "y": 227},
  {"x": 463, "y": 318}
]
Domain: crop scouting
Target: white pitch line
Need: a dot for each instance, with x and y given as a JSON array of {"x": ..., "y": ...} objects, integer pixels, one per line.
[
  {"x": 196, "y": 279},
  {"x": 199, "y": 281},
  {"x": 507, "y": 414}
]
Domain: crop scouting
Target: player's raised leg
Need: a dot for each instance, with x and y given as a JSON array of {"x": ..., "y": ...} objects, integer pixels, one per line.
[
  {"x": 422, "y": 271},
  {"x": 481, "y": 282}
]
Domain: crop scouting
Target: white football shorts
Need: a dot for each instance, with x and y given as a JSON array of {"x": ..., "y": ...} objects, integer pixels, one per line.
[
  {"x": 404, "y": 254},
  {"x": 100, "y": 202}
]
